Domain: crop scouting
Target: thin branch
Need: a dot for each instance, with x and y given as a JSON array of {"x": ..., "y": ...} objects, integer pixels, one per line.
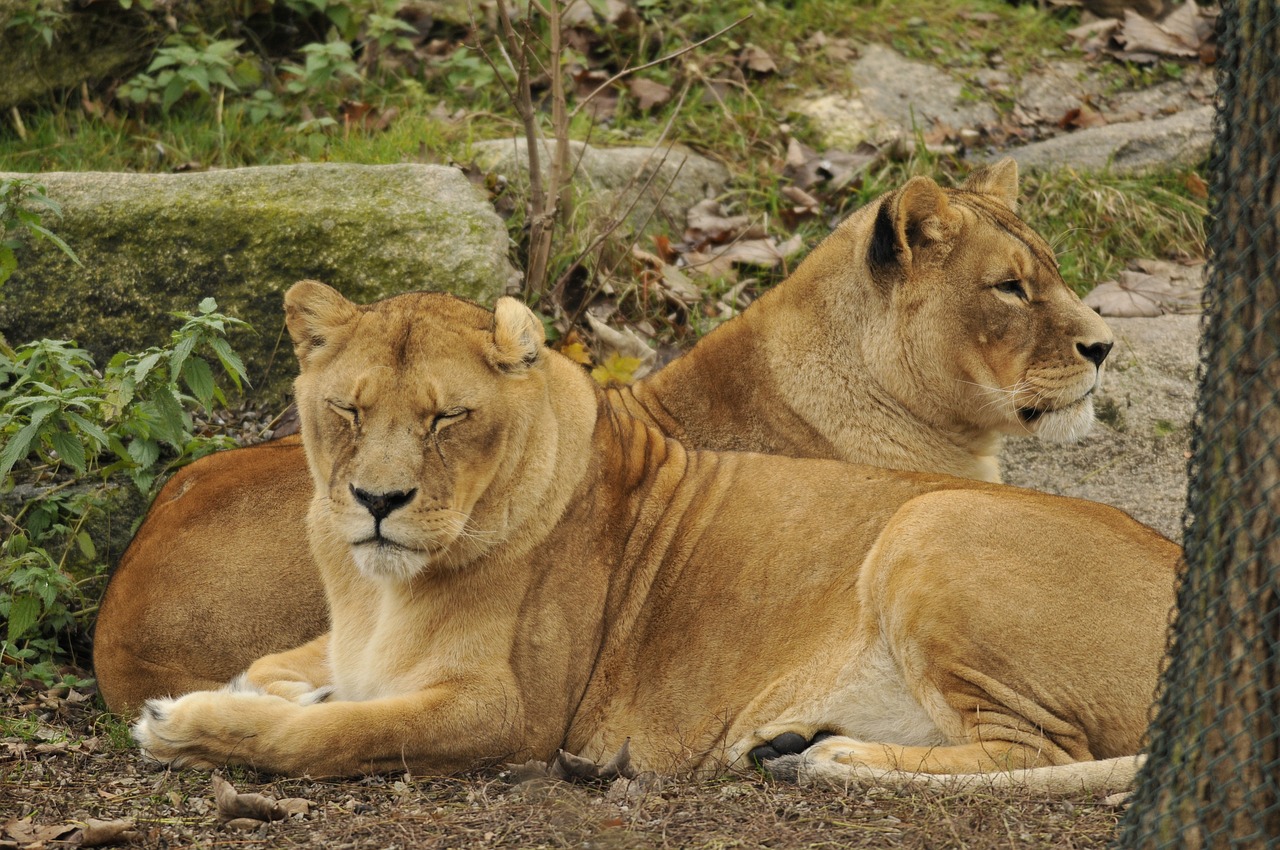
[{"x": 628, "y": 71}]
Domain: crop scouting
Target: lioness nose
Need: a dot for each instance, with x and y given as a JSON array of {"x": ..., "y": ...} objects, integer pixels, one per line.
[
  {"x": 1096, "y": 352},
  {"x": 381, "y": 505}
]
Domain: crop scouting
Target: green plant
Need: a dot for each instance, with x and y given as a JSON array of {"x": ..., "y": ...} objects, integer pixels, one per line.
[
  {"x": 39, "y": 18},
  {"x": 324, "y": 65},
  {"x": 23, "y": 201},
  {"x": 185, "y": 67},
  {"x": 70, "y": 429}
]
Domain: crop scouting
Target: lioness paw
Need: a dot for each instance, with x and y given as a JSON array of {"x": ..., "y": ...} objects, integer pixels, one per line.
[
  {"x": 784, "y": 744},
  {"x": 302, "y": 693},
  {"x": 160, "y": 738}
]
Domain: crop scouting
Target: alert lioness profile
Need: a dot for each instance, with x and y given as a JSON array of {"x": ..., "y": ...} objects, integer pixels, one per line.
[
  {"x": 514, "y": 566},
  {"x": 927, "y": 325}
]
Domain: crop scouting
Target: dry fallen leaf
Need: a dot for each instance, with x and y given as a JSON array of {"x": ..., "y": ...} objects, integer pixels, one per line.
[
  {"x": 649, "y": 93},
  {"x": 622, "y": 344},
  {"x": 101, "y": 833},
  {"x": 1196, "y": 185},
  {"x": 232, "y": 804},
  {"x": 1081, "y": 118},
  {"x": 757, "y": 59},
  {"x": 1154, "y": 288},
  {"x": 616, "y": 371}
]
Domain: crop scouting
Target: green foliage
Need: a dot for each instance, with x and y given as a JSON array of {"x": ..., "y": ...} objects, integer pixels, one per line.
[
  {"x": 325, "y": 65},
  {"x": 39, "y": 18},
  {"x": 185, "y": 67},
  {"x": 23, "y": 202},
  {"x": 69, "y": 429}
]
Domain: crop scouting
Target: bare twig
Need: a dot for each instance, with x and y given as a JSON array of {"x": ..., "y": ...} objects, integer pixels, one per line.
[{"x": 628, "y": 71}]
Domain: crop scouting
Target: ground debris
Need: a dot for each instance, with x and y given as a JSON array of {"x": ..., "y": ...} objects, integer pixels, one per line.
[{"x": 232, "y": 805}]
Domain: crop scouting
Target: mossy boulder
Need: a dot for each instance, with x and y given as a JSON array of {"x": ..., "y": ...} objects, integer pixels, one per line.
[
  {"x": 152, "y": 244},
  {"x": 649, "y": 185}
]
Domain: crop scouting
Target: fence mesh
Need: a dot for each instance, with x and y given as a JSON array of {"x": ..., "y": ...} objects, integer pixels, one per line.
[{"x": 1213, "y": 776}]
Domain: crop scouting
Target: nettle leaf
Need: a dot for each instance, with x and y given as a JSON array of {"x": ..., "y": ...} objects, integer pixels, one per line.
[
  {"x": 170, "y": 424},
  {"x": 89, "y": 429},
  {"x": 230, "y": 360},
  {"x": 24, "y": 610},
  {"x": 180, "y": 353},
  {"x": 199, "y": 377},
  {"x": 20, "y": 445},
  {"x": 69, "y": 449},
  {"x": 85, "y": 543},
  {"x": 144, "y": 452},
  {"x": 145, "y": 365}
]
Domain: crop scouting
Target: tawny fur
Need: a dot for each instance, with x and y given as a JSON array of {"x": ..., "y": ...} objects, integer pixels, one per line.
[
  {"x": 513, "y": 567},
  {"x": 915, "y": 362}
]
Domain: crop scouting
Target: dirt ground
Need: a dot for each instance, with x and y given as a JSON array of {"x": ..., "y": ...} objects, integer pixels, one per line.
[
  {"x": 62, "y": 762},
  {"x": 1136, "y": 456}
]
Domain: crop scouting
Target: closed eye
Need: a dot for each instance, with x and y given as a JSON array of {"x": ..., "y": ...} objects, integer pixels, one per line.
[
  {"x": 1012, "y": 287},
  {"x": 347, "y": 411},
  {"x": 448, "y": 417}
]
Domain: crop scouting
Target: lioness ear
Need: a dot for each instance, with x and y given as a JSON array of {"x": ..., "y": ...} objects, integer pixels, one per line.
[
  {"x": 911, "y": 218},
  {"x": 518, "y": 336},
  {"x": 314, "y": 313},
  {"x": 999, "y": 180}
]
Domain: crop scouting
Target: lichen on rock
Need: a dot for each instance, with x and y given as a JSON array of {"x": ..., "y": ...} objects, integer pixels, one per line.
[{"x": 153, "y": 244}]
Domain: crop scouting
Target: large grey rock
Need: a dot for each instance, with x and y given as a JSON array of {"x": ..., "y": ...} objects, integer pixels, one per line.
[
  {"x": 1135, "y": 458},
  {"x": 151, "y": 244},
  {"x": 1130, "y": 148},
  {"x": 894, "y": 96},
  {"x": 608, "y": 180}
]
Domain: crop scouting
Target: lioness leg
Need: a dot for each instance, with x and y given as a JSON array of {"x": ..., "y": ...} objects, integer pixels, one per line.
[
  {"x": 981, "y": 757},
  {"x": 301, "y": 674},
  {"x": 439, "y": 729}
]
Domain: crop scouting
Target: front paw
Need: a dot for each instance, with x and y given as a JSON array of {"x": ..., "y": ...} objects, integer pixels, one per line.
[
  {"x": 207, "y": 729},
  {"x": 164, "y": 733}
]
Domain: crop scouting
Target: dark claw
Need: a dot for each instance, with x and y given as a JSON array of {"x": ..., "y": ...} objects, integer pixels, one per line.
[
  {"x": 789, "y": 743},
  {"x": 786, "y": 744}
]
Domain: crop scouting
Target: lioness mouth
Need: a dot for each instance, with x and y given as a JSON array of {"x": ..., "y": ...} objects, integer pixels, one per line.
[{"x": 1031, "y": 414}]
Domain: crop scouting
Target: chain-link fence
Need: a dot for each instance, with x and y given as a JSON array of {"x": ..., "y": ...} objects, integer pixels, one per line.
[{"x": 1213, "y": 776}]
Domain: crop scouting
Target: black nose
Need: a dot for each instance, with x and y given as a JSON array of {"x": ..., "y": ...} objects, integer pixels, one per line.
[
  {"x": 381, "y": 505},
  {"x": 1095, "y": 353}
]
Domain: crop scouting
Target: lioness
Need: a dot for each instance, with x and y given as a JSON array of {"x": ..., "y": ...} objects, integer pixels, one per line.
[
  {"x": 928, "y": 324},
  {"x": 512, "y": 565}
]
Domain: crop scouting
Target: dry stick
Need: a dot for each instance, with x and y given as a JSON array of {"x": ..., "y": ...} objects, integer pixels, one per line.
[{"x": 522, "y": 99}]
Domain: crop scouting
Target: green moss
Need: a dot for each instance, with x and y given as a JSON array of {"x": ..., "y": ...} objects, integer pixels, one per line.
[{"x": 152, "y": 244}]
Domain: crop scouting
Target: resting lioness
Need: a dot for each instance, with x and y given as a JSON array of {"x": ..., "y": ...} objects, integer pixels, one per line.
[
  {"x": 514, "y": 566},
  {"x": 927, "y": 325}
]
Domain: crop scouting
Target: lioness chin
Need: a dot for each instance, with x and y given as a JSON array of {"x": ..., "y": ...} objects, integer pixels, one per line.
[
  {"x": 927, "y": 325},
  {"x": 513, "y": 566}
]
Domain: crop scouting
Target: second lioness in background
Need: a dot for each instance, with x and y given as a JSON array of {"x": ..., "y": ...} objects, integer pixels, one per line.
[{"x": 930, "y": 323}]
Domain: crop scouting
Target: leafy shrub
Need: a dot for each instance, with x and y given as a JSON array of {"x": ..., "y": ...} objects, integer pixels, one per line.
[{"x": 69, "y": 431}]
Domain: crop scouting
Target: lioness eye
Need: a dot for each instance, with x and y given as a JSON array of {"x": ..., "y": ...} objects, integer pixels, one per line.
[
  {"x": 1012, "y": 287},
  {"x": 444, "y": 417},
  {"x": 346, "y": 411}
]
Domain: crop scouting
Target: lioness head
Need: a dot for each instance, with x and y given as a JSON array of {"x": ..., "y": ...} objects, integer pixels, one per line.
[
  {"x": 427, "y": 424},
  {"x": 972, "y": 314}
]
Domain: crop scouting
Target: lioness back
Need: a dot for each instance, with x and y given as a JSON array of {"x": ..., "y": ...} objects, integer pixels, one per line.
[{"x": 926, "y": 326}]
